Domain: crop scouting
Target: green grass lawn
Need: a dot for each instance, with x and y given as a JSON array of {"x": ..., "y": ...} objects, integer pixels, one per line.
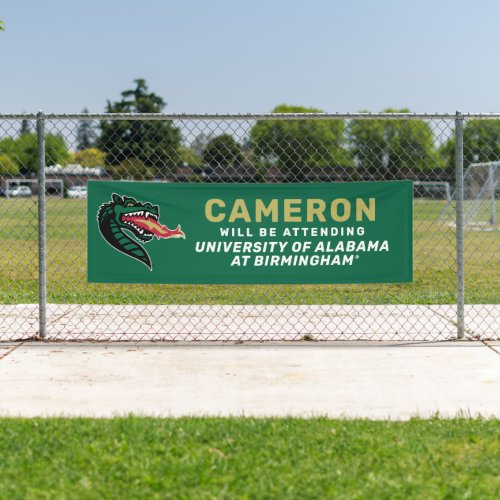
[
  {"x": 249, "y": 458},
  {"x": 434, "y": 264}
]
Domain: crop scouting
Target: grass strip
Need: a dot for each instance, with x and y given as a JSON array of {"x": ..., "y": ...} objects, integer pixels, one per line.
[{"x": 137, "y": 457}]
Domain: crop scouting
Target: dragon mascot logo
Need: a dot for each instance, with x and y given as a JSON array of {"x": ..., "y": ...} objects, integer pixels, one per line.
[{"x": 124, "y": 221}]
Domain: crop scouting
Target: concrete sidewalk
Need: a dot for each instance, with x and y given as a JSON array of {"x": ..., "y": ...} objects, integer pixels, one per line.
[{"x": 394, "y": 381}]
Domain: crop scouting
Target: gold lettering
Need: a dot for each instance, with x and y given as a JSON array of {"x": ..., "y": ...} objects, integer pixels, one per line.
[
  {"x": 209, "y": 210},
  {"x": 262, "y": 211},
  {"x": 361, "y": 209},
  {"x": 240, "y": 211},
  {"x": 315, "y": 207},
  {"x": 335, "y": 210},
  {"x": 291, "y": 208}
]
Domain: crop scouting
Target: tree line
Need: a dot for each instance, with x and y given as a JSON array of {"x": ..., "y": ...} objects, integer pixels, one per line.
[{"x": 148, "y": 149}]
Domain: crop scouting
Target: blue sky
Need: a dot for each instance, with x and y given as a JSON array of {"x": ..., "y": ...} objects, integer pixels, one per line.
[{"x": 249, "y": 56}]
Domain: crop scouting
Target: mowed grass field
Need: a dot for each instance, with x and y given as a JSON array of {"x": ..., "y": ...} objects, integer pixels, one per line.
[
  {"x": 434, "y": 266},
  {"x": 248, "y": 458}
]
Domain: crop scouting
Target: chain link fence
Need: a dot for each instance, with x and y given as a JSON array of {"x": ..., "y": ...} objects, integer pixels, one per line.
[{"x": 46, "y": 161}]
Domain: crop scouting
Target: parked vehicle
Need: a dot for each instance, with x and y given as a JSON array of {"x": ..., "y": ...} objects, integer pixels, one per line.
[
  {"x": 19, "y": 191},
  {"x": 77, "y": 192}
]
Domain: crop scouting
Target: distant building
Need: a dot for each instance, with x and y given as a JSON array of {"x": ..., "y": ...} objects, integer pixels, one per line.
[{"x": 76, "y": 175}]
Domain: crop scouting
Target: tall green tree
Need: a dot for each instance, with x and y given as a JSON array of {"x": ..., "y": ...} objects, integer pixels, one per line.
[
  {"x": 7, "y": 165},
  {"x": 23, "y": 150},
  {"x": 292, "y": 145},
  {"x": 369, "y": 143},
  {"x": 153, "y": 143},
  {"x": 189, "y": 157},
  {"x": 86, "y": 134},
  {"x": 387, "y": 147},
  {"x": 90, "y": 157},
  {"x": 223, "y": 151},
  {"x": 2, "y": 26},
  {"x": 131, "y": 169},
  {"x": 481, "y": 143}
]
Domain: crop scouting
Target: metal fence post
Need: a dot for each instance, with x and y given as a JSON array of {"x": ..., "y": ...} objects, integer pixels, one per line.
[
  {"x": 42, "y": 229},
  {"x": 459, "y": 194}
]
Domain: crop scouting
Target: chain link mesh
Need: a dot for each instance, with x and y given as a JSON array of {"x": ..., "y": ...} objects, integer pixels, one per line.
[
  {"x": 18, "y": 230},
  {"x": 244, "y": 149}
]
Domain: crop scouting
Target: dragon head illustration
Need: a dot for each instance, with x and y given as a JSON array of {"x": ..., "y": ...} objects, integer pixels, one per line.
[{"x": 124, "y": 217}]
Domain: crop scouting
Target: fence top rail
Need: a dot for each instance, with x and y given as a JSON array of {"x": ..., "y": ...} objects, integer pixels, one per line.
[{"x": 248, "y": 116}]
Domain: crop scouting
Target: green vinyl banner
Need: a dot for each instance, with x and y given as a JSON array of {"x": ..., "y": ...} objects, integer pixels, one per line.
[{"x": 152, "y": 232}]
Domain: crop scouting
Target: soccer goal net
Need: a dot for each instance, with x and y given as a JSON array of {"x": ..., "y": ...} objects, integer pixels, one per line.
[
  {"x": 435, "y": 190},
  {"x": 481, "y": 196}
]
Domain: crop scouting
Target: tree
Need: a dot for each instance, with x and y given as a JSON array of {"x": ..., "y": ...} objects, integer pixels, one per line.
[
  {"x": 390, "y": 146},
  {"x": 91, "y": 157},
  {"x": 294, "y": 144},
  {"x": 2, "y": 26},
  {"x": 153, "y": 143},
  {"x": 369, "y": 143},
  {"x": 56, "y": 150},
  {"x": 481, "y": 143},
  {"x": 131, "y": 169},
  {"x": 7, "y": 165},
  {"x": 189, "y": 157},
  {"x": 223, "y": 151},
  {"x": 23, "y": 150},
  {"x": 86, "y": 134}
]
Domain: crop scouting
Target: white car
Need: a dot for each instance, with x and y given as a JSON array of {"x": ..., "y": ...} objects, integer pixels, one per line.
[
  {"x": 77, "y": 192},
  {"x": 24, "y": 191}
]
